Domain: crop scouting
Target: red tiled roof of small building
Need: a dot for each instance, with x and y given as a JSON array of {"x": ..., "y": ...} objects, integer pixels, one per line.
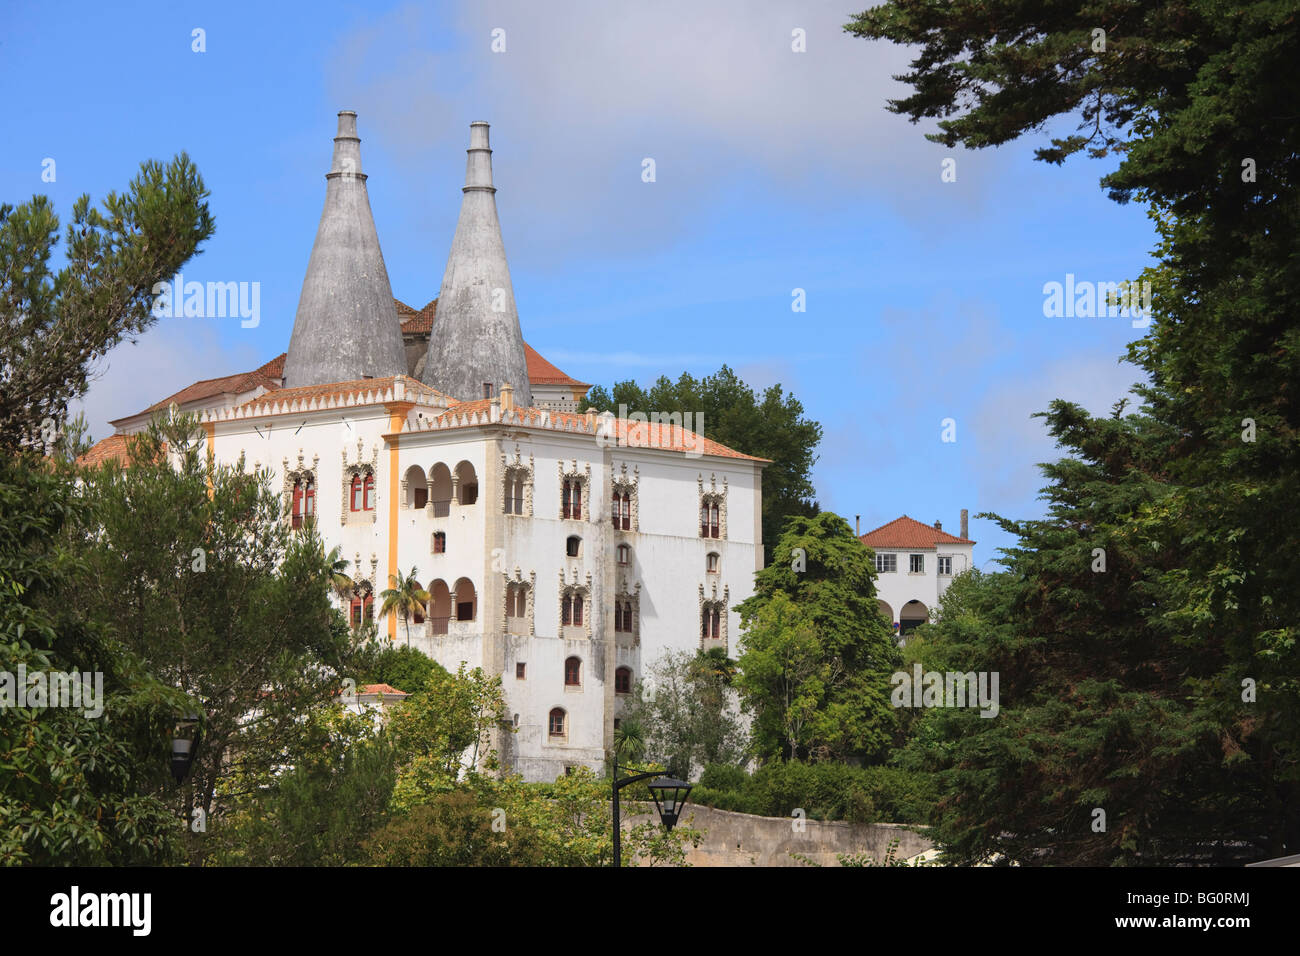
[
  {"x": 416, "y": 321},
  {"x": 907, "y": 532},
  {"x": 388, "y": 690},
  {"x": 542, "y": 372}
]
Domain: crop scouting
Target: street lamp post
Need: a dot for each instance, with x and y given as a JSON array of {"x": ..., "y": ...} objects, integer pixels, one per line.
[
  {"x": 669, "y": 796},
  {"x": 185, "y": 740}
]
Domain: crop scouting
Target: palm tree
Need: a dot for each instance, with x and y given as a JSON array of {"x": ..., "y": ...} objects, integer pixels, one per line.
[
  {"x": 404, "y": 597},
  {"x": 334, "y": 563},
  {"x": 340, "y": 583},
  {"x": 630, "y": 735}
]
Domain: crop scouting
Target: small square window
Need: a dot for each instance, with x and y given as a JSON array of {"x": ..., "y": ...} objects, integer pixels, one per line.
[{"x": 520, "y": 670}]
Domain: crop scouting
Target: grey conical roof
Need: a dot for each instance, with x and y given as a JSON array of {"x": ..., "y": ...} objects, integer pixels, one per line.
[
  {"x": 346, "y": 326},
  {"x": 476, "y": 337}
]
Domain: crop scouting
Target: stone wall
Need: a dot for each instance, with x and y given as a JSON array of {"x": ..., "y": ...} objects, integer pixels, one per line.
[{"x": 740, "y": 839}]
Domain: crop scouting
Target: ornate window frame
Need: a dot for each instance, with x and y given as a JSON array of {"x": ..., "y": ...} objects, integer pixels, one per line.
[
  {"x": 633, "y": 597},
  {"x": 359, "y": 469},
  {"x": 621, "y": 484},
  {"x": 714, "y": 603},
  {"x": 516, "y": 470},
  {"x": 575, "y": 589},
  {"x": 714, "y": 497},
  {"x": 301, "y": 473},
  {"x": 530, "y": 592},
  {"x": 583, "y": 478}
]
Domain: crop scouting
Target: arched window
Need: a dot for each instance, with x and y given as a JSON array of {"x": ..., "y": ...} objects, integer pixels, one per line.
[
  {"x": 357, "y": 503},
  {"x": 362, "y": 608},
  {"x": 555, "y": 723},
  {"x": 370, "y": 492},
  {"x": 623, "y": 680},
  {"x": 573, "y": 672},
  {"x": 297, "y": 503},
  {"x": 624, "y": 555},
  {"x": 713, "y": 562},
  {"x": 711, "y": 624},
  {"x": 572, "y": 610},
  {"x": 623, "y": 617},
  {"x": 573, "y": 547},
  {"x": 621, "y": 511},
  {"x": 571, "y": 498}
]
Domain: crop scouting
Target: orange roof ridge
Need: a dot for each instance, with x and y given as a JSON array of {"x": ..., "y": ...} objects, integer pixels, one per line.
[{"x": 905, "y": 532}]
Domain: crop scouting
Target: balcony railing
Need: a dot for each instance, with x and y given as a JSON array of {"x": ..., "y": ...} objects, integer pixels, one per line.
[
  {"x": 438, "y": 625},
  {"x": 441, "y": 507}
]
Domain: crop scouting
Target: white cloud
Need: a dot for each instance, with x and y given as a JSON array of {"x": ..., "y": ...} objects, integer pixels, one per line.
[{"x": 169, "y": 356}]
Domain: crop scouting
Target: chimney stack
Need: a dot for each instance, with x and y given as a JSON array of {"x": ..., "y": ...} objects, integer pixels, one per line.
[
  {"x": 507, "y": 396},
  {"x": 964, "y": 528},
  {"x": 346, "y": 326},
  {"x": 857, "y": 525},
  {"x": 591, "y": 418},
  {"x": 476, "y": 338},
  {"x": 938, "y": 525}
]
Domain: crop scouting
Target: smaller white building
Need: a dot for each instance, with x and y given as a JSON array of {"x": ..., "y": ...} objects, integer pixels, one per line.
[{"x": 915, "y": 563}]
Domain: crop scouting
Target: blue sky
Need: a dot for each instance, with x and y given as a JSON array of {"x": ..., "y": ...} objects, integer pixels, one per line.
[{"x": 775, "y": 170}]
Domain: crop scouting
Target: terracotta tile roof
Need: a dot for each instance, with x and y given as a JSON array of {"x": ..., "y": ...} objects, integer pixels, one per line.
[
  {"x": 112, "y": 448},
  {"x": 542, "y": 372},
  {"x": 388, "y": 690},
  {"x": 416, "y": 321},
  {"x": 268, "y": 376},
  {"x": 907, "y": 532},
  {"x": 367, "y": 391},
  {"x": 628, "y": 434}
]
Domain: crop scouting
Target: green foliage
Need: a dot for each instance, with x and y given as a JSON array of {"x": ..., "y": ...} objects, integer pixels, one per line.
[
  {"x": 690, "y": 720},
  {"x": 54, "y": 326},
  {"x": 825, "y": 791},
  {"x": 817, "y": 659},
  {"x": 506, "y": 822},
  {"x": 1123, "y": 690},
  {"x": 320, "y": 811},
  {"x": 217, "y": 598},
  {"x": 74, "y": 789},
  {"x": 406, "y": 668},
  {"x": 451, "y": 829},
  {"x": 771, "y": 425},
  {"x": 443, "y": 729}
]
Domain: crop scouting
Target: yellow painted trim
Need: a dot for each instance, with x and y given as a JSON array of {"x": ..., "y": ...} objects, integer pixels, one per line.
[
  {"x": 395, "y": 422},
  {"x": 210, "y": 429}
]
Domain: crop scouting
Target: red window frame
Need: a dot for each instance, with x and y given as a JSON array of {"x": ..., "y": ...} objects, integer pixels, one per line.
[
  {"x": 440, "y": 542},
  {"x": 369, "y": 503},
  {"x": 555, "y": 722},
  {"x": 356, "y": 493}
]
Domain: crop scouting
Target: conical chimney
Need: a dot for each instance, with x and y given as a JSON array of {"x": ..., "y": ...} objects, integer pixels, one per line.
[
  {"x": 346, "y": 326},
  {"x": 476, "y": 345}
]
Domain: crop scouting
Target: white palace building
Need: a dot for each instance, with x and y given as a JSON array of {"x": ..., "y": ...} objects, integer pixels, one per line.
[{"x": 562, "y": 550}]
